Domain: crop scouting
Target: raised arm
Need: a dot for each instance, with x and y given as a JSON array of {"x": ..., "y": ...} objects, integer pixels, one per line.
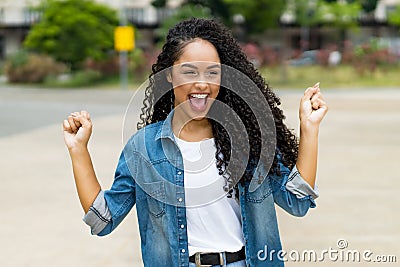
[
  {"x": 77, "y": 131},
  {"x": 312, "y": 110}
]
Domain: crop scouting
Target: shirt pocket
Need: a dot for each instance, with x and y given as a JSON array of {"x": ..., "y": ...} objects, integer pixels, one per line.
[
  {"x": 155, "y": 198},
  {"x": 261, "y": 192}
]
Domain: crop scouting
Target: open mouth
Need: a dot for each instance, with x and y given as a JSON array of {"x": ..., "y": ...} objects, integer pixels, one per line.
[{"x": 198, "y": 102}]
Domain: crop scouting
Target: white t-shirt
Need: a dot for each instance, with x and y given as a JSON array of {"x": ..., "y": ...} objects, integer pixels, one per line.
[{"x": 213, "y": 219}]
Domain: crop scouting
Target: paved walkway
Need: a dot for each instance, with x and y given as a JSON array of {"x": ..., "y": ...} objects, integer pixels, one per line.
[{"x": 41, "y": 217}]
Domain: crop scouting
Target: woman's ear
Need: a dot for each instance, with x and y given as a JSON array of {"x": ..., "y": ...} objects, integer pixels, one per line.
[{"x": 169, "y": 77}]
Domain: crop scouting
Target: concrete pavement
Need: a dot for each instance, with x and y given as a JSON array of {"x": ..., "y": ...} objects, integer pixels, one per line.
[{"x": 358, "y": 178}]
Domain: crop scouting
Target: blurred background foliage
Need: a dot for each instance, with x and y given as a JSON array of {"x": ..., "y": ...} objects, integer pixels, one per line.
[
  {"x": 72, "y": 44},
  {"x": 187, "y": 10},
  {"x": 73, "y": 30},
  {"x": 394, "y": 17}
]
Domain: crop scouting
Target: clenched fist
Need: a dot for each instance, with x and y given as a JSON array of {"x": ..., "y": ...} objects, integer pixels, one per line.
[
  {"x": 77, "y": 130},
  {"x": 313, "y": 107}
]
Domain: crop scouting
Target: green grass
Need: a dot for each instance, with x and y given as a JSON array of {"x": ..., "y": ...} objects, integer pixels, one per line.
[
  {"x": 340, "y": 77},
  {"x": 332, "y": 77},
  {"x": 90, "y": 79}
]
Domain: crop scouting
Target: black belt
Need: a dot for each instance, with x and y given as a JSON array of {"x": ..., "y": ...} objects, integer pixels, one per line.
[{"x": 205, "y": 259}]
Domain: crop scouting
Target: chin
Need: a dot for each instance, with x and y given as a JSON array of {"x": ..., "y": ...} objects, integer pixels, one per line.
[{"x": 199, "y": 117}]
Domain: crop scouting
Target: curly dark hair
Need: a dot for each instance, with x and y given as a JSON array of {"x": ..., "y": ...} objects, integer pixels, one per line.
[{"x": 230, "y": 53}]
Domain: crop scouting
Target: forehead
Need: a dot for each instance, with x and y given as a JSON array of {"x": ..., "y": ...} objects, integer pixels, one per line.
[{"x": 198, "y": 50}]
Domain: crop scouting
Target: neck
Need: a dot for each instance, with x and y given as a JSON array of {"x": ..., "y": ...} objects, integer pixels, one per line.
[{"x": 191, "y": 130}]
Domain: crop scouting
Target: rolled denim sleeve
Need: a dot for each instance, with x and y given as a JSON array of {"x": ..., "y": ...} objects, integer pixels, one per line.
[
  {"x": 98, "y": 215},
  {"x": 291, "y": 192},
  {"x": 298, "y": 186}
]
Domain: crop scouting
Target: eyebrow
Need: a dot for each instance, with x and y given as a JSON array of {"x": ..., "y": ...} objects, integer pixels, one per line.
[{"x": 194, "y": 67}]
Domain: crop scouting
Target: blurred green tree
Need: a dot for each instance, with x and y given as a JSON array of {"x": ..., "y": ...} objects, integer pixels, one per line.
[
  {"x": 342, "y": 15},
  {"x": 258, "y": 15},
  {"x": 218, "y": 8},
  {"x": 159, "y": 3},
  {"x": 394, "y": 17},
  {"x": 305, "y": 11},
  {"x": 73, "y": 30},
  {"x": 184, "y": 12},
  {"x": 368, "y": 5}
]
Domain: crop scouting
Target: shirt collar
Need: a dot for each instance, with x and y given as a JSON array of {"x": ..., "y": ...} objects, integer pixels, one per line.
[{"x": 165, "y": 130}]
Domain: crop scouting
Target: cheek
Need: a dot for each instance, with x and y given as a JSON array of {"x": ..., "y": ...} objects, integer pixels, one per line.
[
  {"x": 215, "y": 90},
  {"x": 177, "y": 82},
  {"x": 181, "y": 92},
  {"x": 215, "y": 86}
]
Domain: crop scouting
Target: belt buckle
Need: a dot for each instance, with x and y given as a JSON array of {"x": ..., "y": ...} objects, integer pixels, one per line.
[{"x": 197, "y": 259}]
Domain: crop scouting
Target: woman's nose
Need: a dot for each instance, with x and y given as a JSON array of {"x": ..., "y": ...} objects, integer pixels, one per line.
[{"x": 201, "y": 85}]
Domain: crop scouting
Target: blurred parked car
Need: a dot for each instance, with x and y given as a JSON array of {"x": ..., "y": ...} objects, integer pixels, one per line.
[{"x": 309, "y": 57}]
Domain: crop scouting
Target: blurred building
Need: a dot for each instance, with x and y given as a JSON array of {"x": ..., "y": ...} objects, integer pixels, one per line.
[
  {"x": 17, "y": 16},
  {"x": 383, "y": 8},
  {"x": 372, "y": 24}
]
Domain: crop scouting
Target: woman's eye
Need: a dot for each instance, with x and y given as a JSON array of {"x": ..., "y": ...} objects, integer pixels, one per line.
[
  {"x": 189, "y": 72},
  {"x": 212, "y": 73}
]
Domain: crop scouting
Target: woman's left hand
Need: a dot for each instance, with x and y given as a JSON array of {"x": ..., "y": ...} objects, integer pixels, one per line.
[{"x": 312, "y": 107}]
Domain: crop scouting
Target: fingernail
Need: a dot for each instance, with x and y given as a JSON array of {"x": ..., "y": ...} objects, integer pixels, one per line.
[{"x": 317, "y": 84}]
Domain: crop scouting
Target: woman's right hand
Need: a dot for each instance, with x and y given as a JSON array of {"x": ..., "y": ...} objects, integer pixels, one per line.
[{"x": 77, "y": 130}]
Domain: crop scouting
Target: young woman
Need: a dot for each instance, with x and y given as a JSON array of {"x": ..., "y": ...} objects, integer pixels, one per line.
[{"x": 204, "y": 168}]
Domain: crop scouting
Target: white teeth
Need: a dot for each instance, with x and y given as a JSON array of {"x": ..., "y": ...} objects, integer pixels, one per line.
[{"x": 199, "y": 95}]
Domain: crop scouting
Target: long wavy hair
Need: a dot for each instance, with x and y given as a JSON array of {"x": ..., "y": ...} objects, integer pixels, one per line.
[{"x": 159, "y": 101}]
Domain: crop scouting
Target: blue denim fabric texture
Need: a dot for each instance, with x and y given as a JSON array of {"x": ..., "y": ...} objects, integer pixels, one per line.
[{"x": 150, "y": 175}]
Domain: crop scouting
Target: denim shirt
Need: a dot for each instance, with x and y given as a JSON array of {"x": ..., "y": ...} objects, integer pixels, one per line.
[{"x": 150, "y": 174}]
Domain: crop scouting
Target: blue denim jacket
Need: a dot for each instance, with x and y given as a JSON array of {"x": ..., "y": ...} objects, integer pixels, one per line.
[{"x": 150, "y": 174}]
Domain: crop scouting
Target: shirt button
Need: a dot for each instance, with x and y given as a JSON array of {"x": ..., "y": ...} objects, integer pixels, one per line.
[
  {"x": 180, "y": 199},
  {"x": 183, "y": 250},
  {"x": 179, "y": 173},
  {"x": 182, "y": 226}
]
